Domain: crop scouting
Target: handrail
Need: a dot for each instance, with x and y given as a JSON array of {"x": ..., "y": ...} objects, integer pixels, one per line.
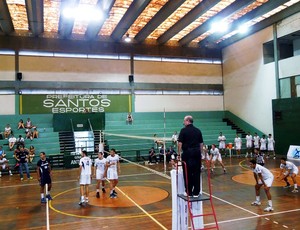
[
  {"x": 72, "y": 125},
  {"x": 91, "y": 128}
]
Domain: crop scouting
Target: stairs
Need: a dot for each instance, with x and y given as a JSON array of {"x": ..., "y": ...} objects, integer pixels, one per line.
[
  {"x": 241, "y": 132},
  {"x": 66, "y": 142}
]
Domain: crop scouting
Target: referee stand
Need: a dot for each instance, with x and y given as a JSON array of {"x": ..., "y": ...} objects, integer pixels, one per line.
[{"x": 188, "y": 210}]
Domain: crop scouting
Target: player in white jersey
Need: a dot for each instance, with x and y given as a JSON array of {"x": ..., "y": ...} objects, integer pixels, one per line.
[
  {"x": 85, "y": 174},
  {"x": 249, "y": 141},
  {"x": 263, "y": 144},
  {"x": 256, "y": 140},
  {"x": 99, "y": 173},
  {"x": 113, "y": 171},
  {"x": 4, "y": 165},
  {"x": 271, "y": 144},
  {"x": 216, "y": 155},
  {"x": 238, "y": 145},
  {"x": 263, "y": 177},
  {"x": 288, "y": 169},
  {"x": 205, "y": 157},
  {"x": 222, "y": 143}
]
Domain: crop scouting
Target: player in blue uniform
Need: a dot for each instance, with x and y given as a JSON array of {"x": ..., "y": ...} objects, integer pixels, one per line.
[{"x": 44, "y": 176}]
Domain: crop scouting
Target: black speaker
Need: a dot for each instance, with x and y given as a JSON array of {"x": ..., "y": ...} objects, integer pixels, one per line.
[
  {"x": 19, "y": 76},
  {"x": 130, "y": 78}
]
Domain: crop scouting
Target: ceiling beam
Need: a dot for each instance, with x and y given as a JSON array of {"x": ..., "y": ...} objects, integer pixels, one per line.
[
  {"x": 6, "y": 24},
  {"x": 257, "y": 12},
  {"x": 134, "y": 10},
  {"x": 95, "y": 47},
  {"x": 195, "y": 13},
  {"x": 94, "y": 28},
  {"x": 263, "y": 24},
  {"x": 65, "y": 25},
  {"x": 225, "y": 13},
  {"x": 35, "y": 15},
  {"x": 158, "y": 18}
]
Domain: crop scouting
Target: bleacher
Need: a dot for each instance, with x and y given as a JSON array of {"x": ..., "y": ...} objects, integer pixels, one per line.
[
  {"x": 130, "y": 140},
  {"x": 137, "y": 138},
  {"x": 48, "y": 139}
]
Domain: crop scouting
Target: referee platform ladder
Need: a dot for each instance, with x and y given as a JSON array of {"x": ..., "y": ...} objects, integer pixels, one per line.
[{"x": 189, "y": 210}]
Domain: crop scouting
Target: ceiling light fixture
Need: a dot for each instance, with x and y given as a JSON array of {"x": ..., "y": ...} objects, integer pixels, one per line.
[
  {"x": 127, "y": 38},
  {"x": 219, "y": 27},
  {"x": 83, "y": 13}
]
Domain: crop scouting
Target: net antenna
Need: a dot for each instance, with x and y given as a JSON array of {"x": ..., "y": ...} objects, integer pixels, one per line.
[
  {"x": 47, "y": 209},
  {"x": 165, "y": 157}
]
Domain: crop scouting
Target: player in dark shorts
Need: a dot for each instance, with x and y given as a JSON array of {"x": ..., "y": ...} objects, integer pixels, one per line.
[{"x": 44, "y": 176}]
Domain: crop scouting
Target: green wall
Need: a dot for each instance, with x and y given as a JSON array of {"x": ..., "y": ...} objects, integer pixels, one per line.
[{"x": 286, "y": 118}]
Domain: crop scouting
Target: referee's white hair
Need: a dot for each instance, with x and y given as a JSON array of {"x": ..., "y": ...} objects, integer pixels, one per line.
[{"x": 189, "y": 118}]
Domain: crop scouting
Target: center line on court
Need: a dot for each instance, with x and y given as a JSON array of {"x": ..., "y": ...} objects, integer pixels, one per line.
[{"x": 143, "y": 210}]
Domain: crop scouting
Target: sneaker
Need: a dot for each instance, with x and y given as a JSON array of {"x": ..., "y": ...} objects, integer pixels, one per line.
[
  {"x": 49, "y": 197},
  {"x": 256, "y": 203},
  {"x": 97, "y": 195},
  {"x": 225, "y": 171},
  {"x": 268, "y": 209},
  {"x": 103, "y": 190},
  {"x": 195, "y": 196},
  {"x": 86, "y": 200},
  {"x": 30, "y": 178},
  {"x": 0, "y": 175},
  {"x": 295, "y": 190},
  {"x": 112, "y": 195},
  {"x": 22, "y": 179},
  {"x": 9, "y": 174},
  {"x": 43, "y": 200},
  {"x": 81, "y": 202},
  {"x": 287, "y": 186}
]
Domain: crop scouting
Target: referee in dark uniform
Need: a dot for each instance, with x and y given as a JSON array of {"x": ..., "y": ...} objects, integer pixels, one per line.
[{"x": 190, "y": 141}]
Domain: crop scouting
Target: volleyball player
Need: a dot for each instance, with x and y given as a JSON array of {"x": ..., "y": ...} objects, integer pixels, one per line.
[
  {"x": 288, "y": 169},
  {"x": 263, "y": 177},
  {"x": 249, "y": 142},
  {"x": 99, "y": 172},
  {"x": 271, "y": 144},
  {"x": 216, "y": 155},
  {"x": 222, "y": 144},
  {"x": 113, "y": 171},
  {"x": 238, "y": 145},
  {"x": 85, "y": 172},
  {"x": 44, "y": 176}
]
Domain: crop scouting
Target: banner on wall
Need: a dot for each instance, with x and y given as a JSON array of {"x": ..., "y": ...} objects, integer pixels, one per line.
[
  {"x": 74, "y": 103},
  {"x": 293, "y": 154}
]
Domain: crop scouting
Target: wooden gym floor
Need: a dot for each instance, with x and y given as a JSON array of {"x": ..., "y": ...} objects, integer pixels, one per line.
[{"x": 144, "y": 201}]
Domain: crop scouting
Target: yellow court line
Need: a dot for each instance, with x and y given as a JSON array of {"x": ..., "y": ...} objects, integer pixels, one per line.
[{"x": 94, "y": 217}]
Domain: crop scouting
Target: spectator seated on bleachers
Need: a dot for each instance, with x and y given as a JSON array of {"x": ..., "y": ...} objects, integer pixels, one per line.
[
  {"x": 21, "y": 124},
  {"x": 7, "y": 131},
  {"x": 20, "y": 140},
  {"x": 169, "y": 153},
  {"x": 28, "y": 134},
  {"x": 4, "y": 165},
  {"x": 11, "y": 142},
  {"x": 31, "y": 153},
  {"x": 129, "y": 119},
  {"x": 2, "y": 152},
  {"x": 35, "y": 133},
  {"x": 152, "y": 156},
  {"x": 29, "y": 124},
  {"x": 161, "y": 153}
]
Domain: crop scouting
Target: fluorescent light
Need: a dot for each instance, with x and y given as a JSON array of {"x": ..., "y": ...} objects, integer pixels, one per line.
[
  {"x": 219, "y": 27},
  {"x": 243, "y": 29},
  {"x": 83, "y": 13}
]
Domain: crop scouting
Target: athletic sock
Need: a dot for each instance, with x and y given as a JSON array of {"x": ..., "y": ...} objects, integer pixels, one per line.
[
  {"x": 97, "y": 190},
  {"x": 295, "y": 186},
  {"x": 42, "y": 195},
  {"x": 82, "y": 198},
  {"x": 258, "y": 198},
  {"x": 270, "y": 203}
]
